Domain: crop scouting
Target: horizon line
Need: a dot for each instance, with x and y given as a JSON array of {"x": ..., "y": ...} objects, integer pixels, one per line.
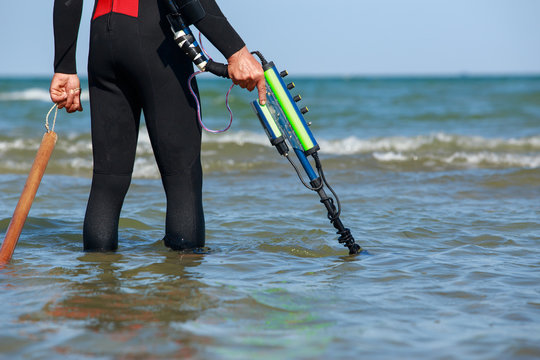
[{"x": 459, "y": 75}]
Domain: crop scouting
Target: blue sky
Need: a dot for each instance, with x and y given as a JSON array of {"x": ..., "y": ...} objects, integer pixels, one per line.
[{"x": 310, "y": 37}]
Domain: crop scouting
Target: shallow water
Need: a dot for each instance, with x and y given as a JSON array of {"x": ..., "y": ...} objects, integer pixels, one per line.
[{"x": 439, "y": 181}]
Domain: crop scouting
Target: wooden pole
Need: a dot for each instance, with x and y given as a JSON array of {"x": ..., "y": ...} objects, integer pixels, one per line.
[{"x": 27, "y": 197}]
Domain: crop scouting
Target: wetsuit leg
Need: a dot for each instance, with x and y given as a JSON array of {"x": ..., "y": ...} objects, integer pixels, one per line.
[
  {"x": 170, "y": 116},
  {"x": 115, "y": 113},
  {"x": 100, "y": 231},
  {"x": 176, "y": 141}
]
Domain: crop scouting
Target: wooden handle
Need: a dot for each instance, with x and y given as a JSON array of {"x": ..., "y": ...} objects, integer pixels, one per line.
[{"x": 27, "y": 197}]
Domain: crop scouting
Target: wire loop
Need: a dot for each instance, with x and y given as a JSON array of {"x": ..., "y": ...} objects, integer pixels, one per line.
[
  {"x": 199, "y": 117},
  {"x": 54, "y": 120}
]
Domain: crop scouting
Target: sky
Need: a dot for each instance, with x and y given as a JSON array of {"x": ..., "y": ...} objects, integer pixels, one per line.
[{"x": 340, "y": 37}]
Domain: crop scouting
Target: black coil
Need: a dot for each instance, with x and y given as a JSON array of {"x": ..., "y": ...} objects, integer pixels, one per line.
[{"x": 346, "y": 238}]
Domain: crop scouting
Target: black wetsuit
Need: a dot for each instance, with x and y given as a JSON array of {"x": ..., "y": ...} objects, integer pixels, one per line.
[{"x": 135, "y": 65}]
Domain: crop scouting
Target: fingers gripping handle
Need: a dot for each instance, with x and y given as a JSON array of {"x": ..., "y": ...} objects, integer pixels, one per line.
[{"x": 218, "y": 69}]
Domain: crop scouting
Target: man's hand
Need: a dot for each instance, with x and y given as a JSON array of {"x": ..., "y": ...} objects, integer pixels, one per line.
[
  {"x": 65, "y": 91},
  {"x": 245, "y": 71}
]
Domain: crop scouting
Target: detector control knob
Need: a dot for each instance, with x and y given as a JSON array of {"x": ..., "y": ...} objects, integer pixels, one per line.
[
  {"x": 304, "y": 110},
  {"x": 290, "y": 86},
  {"x": 283, "y": 73},
  {"x": 297, "y": 98}
]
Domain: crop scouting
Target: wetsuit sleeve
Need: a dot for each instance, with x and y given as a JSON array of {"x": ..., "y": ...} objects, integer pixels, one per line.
[
  {"x": 66, "y": 20},
  {"x": 215, "y": 26}
]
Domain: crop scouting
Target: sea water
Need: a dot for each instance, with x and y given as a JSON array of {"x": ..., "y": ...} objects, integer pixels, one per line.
[{"x": 439, "y": 181}]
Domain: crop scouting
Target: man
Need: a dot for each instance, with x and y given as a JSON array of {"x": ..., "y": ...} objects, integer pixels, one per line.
[{"x": 135, "y": 65}]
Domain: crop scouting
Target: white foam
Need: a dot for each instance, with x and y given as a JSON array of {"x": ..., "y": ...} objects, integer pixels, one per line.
[
  {"x": 144, "y": 146},
  {"x": 238, "y": 138},
  {"x": 33, "y": 94},
  {"x": 390, "y": 156},
  {"x": 464, "y": 158},
  {"x": 490, "y": 158},
  {"x": 75, "y": 150},
  {"x": 146, "y": 168},
  {"x": 78, "y": 164},
  {"x": 400, "y": 144},
  {"x": 354, "y": 145},
  {"x": 18, "y": 144},
  {"x": 81, "y": 146},
  {"x": 16, "y": 165},
  {"x": 422, "y": 144}
]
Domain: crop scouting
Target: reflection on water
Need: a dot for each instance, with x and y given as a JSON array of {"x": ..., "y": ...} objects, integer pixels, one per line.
[
  {"x": 113, "y": 298},
  {"x": 121, "y": 299}
]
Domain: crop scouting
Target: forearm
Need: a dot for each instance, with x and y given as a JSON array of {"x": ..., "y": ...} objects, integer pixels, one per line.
[
  {"x": 66, "y": 20},
  {"x": 215, "y": 26}
]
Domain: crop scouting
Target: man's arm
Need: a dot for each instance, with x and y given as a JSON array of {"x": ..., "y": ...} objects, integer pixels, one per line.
[
  {"x": 244, "y": 70},
  {"x": 65, "y": 85}
]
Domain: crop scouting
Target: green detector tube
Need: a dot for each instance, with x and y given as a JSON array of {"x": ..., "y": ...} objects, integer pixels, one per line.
[
  {"x": 270, "y": 126},
  {"x": 290, "y": 109}
]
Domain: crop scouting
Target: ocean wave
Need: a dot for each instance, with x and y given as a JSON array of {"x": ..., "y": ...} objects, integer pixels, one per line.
[
  {"x": 483, "y": 158},
  {"x": 354, "y": 145},
  {"x": 439, "y": 142},
  {"x": 489, "y": 158},
  {"x": 238, "y": 137},
  {"x": 33, "y": 94},
  {"x": 244, "y": 150}
]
